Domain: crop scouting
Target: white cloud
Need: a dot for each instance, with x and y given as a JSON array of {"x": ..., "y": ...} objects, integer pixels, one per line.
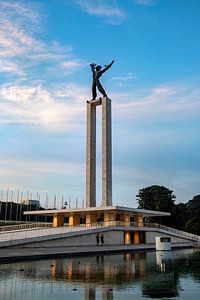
[
  {"x": 20, "y": 46},
  {"x": 61, "y": 107},
  {"x": 58, "y": 109},
  {"x": 22, "y": 54},
  {"x": 13, "y": 9},
  {"x": 101, "y": 8},
  {"x": 16, "y": 40},
  {"x": 70, "y": 66},
  {"x": 164, "y": 102},
  {"x": 125, "y": 78},
  {"x": 146, "y": 2},
  {"x": 11, "y": 67},
  {"x": 121, "y": 79}
]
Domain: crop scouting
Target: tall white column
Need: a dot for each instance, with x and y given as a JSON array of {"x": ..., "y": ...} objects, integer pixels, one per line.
[
  {"x": 106, "y": 152},
  {"x": 91, "y": 156}
]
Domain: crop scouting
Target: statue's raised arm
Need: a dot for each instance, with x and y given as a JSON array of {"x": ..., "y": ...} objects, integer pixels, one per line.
[{"x": 108, "y": 66}]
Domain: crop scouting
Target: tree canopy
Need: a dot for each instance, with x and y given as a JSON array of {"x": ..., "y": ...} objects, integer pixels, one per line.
[
  {"x": 193, "y": 212},
  {"x": 184, "y": 216},
  {"x": 156, "y": 197}
]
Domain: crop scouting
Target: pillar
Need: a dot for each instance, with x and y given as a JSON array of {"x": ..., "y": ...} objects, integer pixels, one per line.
[
  {"x": 91, "y": 156},
  {"x": 58, "y": 221},
  {"x": 127, "y": 238},
  {"x": 136, "y": 237},
  {"x": 109, "y": 219},
  {"x": 106, "y": 153},
  {"x": 139, "y": 220},
  {"x": 69, "y": 271},
  {"x": 90, "y": 294},
  {"x": 127, "y": 219},
  {"x": 90, "y": 219},
  {"x": 107, "y": 294},
  {"x": 74, "y": 220}
]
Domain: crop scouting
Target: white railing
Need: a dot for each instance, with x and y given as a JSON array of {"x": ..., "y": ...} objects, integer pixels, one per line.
[
  {"x": 149, "y": 225},
  {"x": 173, "y": 230},
  {"x": 24, "y": 226},
  {"x": 36, "y": 233}
]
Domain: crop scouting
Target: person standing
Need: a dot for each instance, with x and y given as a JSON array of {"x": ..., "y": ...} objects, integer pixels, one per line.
[
  {"x": 102, "y": 240},
  {"x": 97, "y": 239}
]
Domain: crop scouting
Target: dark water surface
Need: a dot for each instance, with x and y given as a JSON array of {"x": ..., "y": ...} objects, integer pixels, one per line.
[{"x": 147, "y": 275}]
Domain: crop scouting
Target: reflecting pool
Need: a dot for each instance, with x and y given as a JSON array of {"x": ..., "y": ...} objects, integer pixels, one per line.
[{"x": 131, "y": 275}]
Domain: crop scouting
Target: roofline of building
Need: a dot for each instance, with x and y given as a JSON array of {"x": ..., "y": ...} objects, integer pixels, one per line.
[{"x": 144, "y": 212}]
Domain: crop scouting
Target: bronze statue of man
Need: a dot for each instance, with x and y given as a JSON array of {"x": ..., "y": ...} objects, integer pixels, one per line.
[{"x": 97, "y": 71}]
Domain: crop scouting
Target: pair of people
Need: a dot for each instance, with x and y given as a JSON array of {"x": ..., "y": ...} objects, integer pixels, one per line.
[{"x": 99, "y": 238}]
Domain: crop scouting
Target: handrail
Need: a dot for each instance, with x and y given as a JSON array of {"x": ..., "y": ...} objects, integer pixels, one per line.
[
  {"x": 13, "y": 236},
  {"x": 24, "y": 226},
  {"x": 150, "y": 225},
  {"x": 173, "y": 230}
]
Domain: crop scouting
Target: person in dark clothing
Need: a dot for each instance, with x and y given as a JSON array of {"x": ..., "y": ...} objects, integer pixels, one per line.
[
  {"x": 102, "y": 240},
  {"x": 97, "y": 72},
  {"x": 97, "y": 239}
]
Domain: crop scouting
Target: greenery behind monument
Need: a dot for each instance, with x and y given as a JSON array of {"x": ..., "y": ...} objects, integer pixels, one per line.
[{"x": 184, "y": 216}]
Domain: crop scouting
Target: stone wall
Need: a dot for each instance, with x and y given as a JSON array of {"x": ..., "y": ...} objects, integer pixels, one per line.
[
  {"x": 150, "y": 237},
  {"x": 110, "y": 238}
]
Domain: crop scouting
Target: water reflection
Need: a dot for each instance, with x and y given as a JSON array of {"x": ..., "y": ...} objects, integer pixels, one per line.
[
  {"x": 90, "y": 294},
  {"x": 166, "y": 282},
  {"x": 148, "y": 274},
  {"x": 163, "y": 259}
]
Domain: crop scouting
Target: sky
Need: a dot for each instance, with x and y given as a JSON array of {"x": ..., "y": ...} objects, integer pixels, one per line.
[{"x": 45, "y": 80}]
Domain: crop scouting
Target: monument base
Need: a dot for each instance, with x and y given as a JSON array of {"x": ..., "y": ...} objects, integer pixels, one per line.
[{"x": 96, "y": 102}]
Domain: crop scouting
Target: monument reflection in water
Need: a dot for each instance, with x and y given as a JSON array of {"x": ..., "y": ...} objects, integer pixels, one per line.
[{"x": 121, "y": 276}]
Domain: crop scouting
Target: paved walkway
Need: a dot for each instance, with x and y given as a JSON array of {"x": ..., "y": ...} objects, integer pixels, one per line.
[{"x": 20, "y": 253}]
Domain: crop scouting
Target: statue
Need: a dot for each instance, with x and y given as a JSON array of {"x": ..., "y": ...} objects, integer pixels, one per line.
[{"x": 97, "y": 72}]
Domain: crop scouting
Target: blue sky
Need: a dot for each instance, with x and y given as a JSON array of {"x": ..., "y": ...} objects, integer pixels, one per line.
[{"x": 45, "y": 51}]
